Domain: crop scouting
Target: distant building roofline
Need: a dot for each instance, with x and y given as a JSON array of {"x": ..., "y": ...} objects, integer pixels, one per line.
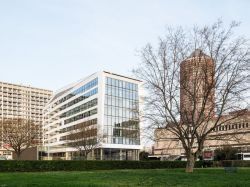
[
  {"x": 24, "y": 86},
  {"x": 122, "y": 76},
  {"x": 198, "y": 53}
]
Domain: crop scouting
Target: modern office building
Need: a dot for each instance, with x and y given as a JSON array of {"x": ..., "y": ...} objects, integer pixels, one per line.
[
  {"x": 18, "y": 101},
  {"x": 104, "y": 103}
]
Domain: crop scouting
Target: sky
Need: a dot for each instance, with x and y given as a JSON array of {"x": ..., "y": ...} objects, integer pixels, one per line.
[{"x": 51, "y": 43}]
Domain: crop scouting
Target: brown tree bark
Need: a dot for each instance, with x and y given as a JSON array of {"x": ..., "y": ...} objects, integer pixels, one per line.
[
  {"x": 18, "y": 155},
  {"x": 190, "y": 163}
]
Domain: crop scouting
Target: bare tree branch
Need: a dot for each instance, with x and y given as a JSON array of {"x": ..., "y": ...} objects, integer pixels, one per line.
[
  {"x": 190, "y": 95},
  {"x": 19, "y": 134}
]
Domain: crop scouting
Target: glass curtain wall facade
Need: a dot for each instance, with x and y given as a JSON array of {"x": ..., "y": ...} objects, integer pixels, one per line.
[{"x": 121, "y": 120}]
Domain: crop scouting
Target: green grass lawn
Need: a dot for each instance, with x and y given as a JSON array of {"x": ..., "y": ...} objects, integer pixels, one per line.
[{"x": 150, "y": 177}]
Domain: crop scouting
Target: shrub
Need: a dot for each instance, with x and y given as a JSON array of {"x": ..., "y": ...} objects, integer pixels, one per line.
[
  {"x": 81, "y": 165},
  {"x": 225, "y": 153},
  {"x": 144, "y": 155},
  {"x": 235, "y": 163}
]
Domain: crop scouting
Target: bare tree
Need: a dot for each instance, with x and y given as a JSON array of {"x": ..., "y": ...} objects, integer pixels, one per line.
[
  {"x": 19, "y": 134},
  {"x": 84, "y": 139},
  {"x": 189, "y": 94}
]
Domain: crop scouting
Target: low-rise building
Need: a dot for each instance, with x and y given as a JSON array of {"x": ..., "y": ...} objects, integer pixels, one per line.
[{"x": 235, "y": 133}]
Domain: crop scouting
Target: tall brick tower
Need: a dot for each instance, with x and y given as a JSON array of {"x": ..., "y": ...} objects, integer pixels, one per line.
[{"x": 197, "y": 86}]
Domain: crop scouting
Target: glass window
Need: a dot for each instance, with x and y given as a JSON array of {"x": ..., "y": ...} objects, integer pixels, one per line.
[
  {"x": 123, "y": 84},
  {"x": 108, "y": 121},
  {"x": 116, "y": 111},
  {"x": 113, "y": 101},
  {"x": 121, "y": 101},
  {"x": 120, "y": 93},
  {"x": 109, "y": 100},
  {"x": 109, "y": 92},
  {"x": 109, "y": 111},
  {"x": 120, "y": 83},
  {"x": 109, "y": 81},
  {"x": 113, "y": 91},
  {"x": 112, "y": 82}
]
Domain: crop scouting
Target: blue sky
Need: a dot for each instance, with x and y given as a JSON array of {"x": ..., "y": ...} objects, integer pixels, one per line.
[{"x": 50, "y": 43}]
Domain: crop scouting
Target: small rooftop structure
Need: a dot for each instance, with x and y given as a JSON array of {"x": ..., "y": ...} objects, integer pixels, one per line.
[{"x": 198, "y": 53}]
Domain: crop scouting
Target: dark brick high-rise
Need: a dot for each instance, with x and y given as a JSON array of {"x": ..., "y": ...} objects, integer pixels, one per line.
[{"x": 196, "y": 80}]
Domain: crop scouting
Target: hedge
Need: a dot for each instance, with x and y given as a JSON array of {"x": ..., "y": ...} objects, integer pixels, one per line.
[
  {"x": 80, "y": 165},
  {"x": 83, "y": 165},
  {"x": 230, "y": 163}
]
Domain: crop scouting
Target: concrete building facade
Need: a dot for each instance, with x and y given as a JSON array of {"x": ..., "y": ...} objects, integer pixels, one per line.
[
  {"x": 235, "y": 133},
  {"x": 26, "y": 102}
]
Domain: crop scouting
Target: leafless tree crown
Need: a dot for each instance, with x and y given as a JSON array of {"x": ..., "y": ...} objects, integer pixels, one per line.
[
  {"x": 84, "y": 138},
  {"x": 190, "y": 94},
  {"x": 19, "y": 134}
]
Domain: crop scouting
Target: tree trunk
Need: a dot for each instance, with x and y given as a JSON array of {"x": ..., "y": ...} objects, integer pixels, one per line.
[
  {"x": 85, "y": 155},
  {"x": 18, "y": 154},
  {"x": 190, "y": 163}
]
